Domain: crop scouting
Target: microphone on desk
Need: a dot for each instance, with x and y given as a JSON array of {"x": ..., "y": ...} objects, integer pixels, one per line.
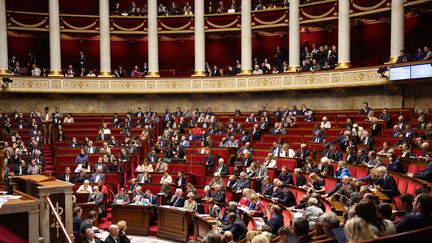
[{"x": 345, "y": 197}]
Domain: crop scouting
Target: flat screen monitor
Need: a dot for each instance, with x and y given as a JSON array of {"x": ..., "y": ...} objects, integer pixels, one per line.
[
  {"x": 400, "y": 73},
  {"x": 421, "y": 71}
]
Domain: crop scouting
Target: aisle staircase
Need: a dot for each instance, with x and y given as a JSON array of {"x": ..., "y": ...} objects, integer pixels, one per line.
[{"x": 48, "y": 154}]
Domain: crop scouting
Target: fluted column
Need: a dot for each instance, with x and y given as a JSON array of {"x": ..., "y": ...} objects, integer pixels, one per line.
[
  {"x": 104, "y": 35},
  {"x": 397, "y": 29},
  {"x": 199, "y": 39},
  {"x": 246, "y": 38},
  {"x": 54, "y": 37},
  {"x": 344, "y": 27},
  {"x": 3, "y": 40},
  {"x": 153, "y": 45},
  {"x": 294, "y": 36}
]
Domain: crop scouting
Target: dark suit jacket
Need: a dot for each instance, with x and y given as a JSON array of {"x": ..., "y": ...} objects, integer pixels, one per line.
[
  {"x": 23, "y": 170},
  {"x": 287, "y": 198},
  {"x": 93, "y": 177},
  {"x": 275, "y": 222},
  {"x": 241, "y": 185},
  {"x": 96, "y": 241},
  {"x": 110, "y": 239},
  {"x": 301, "y": 180},
  {"x": 238, "y": 230},
  {"x": 413, "y": 221},
  {"x": 286, "y": 178},
  {"x": 123, "y": 238},
  {"x": 87, "y": 223},
  {"x": 389, "y": 186},
  {"x": 219, "y": 196},
  {"x": 71, "y": 178},
  {"x": 266, "y": 190},
  {"x": 177, "y": 203},
  {"x": 183, "y": 181},
  {"x": 223, "y": 170},
  {"x": 425, "y": 174},
  {"x": 154, "y": 200}
]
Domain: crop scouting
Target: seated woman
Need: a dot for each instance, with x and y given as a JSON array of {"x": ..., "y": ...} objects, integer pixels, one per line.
[
  {"x": 207, "y": 193},
  {"x": 82, "y": 156},
  {"x": 84, "y": 165},
  {"x": 255, "y": 205},
  {"x": 85, "y": 187},
  {"x": 286, "y": 151},
  {"x": 244, "y": 201},
  {"x": 190, "y": 203},
  {"x": 312, "y": 212},
  {"x": 166, "y": 190},
  {"x": 144, "y": 167},
  {"x": 102, "y": 187},
  {"x": 214, "y": 210},
  {"x": 190, "y": 188}
]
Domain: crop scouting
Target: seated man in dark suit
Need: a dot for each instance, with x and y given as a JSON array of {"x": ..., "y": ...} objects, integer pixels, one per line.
[
  {"x": 276, "y": 220},
  {"x": 67, "y": 177},
  {"x": 153, "y": 199},
  {"x": 242, "y": 183},
  {"x": 144, "y": 178},
  {"x": 266, "y": 187},
  {"x": 386, "y": 183},
  {"x": 236, "y": 227},
  {"x": 425, "y": 174},
  {"x": 87, "y": 223},
  {"x": 218, "y": 195},
  {"x": 177, "y": 200},
  {"x": 420, "y": 218},
  {"x": 284, "y": 196},
  {"x": 300, "y": 229},
  {"x": 285, "y": 176}
]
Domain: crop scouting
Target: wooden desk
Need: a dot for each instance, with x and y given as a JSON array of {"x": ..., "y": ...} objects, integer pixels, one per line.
[
  {"x": 137, "y": 217},
  {"x": 20, "y": 217},
  {"x": 202, "y": 226},
  {"x": 381, "y": 196},
  {"x": 86, "y": 208},
  {"x": 173, "y": 223}
]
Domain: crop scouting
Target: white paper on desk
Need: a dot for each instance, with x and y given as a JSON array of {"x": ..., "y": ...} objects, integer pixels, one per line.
[
  {"x": 203, "y": 215},
  {"x": 2, "y": 201},
  {"x": 7, "y": 197},
  {"x": 373, "y": 189},
  {"x": 259, "y": 222},
  {"x": 297, "y": 215}
]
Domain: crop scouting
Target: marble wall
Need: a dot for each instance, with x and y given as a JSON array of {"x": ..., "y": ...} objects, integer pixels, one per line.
[{"x": 328, "y": 99}]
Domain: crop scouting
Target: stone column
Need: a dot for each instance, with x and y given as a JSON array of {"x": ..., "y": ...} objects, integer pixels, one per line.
[
  {"x": 397, "y": 29},
  {"x": 3, "y": 40},
  {"x": 294, "y": 36},
  {"x": 344, "y": 25},
  {"x": 104, "y": 35},
  {"x": 54, "y": 37},
  {"x": 153, "y": 45},
  {"x": 199, "y": 39},
  {"x": 246, "y": 38}
]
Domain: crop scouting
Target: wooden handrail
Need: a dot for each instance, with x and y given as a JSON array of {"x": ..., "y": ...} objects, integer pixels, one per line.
[{"x": 69, "y": 240}]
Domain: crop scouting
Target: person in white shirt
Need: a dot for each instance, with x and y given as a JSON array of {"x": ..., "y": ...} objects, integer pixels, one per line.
[
  {"x": 84, "y": 165},
  {"x": 325, "y": 123},
  {"x": 257, "y": 70},
  {"x": 166, "y": 178},
  {"x": 104, "y": 132},
  {"x": 85, "y": 188},
  {"x": 286, "y": 151},
  {"x": 269, "y": 161},
  {"x": 144, "y": 167},
  {"x": 35, "y": 72}
]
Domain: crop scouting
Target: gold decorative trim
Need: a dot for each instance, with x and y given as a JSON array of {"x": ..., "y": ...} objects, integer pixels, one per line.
[
  {"x": 318, "y": 16},
  {"x": 293, "y": 69},
  {"x": 343, "y": 65},
  {"x": 222, "y": 26},
  {"x": 270, "y": 22},
  {"x": 28, "y": 25},
  {"x": 105, "y": 75},
  {"x": 392, "y": 60},
  {"x": 176, "y": 28},
  {"x": 367, "y": 8},
  {"x": 199, "y": 74},
  {"x": 152, "y": 75},
  {"x": 80, "y": 28},
  {"x": 55, "y": 73},
  {"x": 245, "y": 72},
  {"x": 129, "y": 29},
  {"x": 4, "y": 72}
]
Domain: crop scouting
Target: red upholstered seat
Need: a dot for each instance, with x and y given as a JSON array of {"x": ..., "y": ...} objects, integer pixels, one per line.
[
  {"x": 330, "y": 183},
  {"x": 287, "y": 217},
  {"x": 291, "y": 164}
]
